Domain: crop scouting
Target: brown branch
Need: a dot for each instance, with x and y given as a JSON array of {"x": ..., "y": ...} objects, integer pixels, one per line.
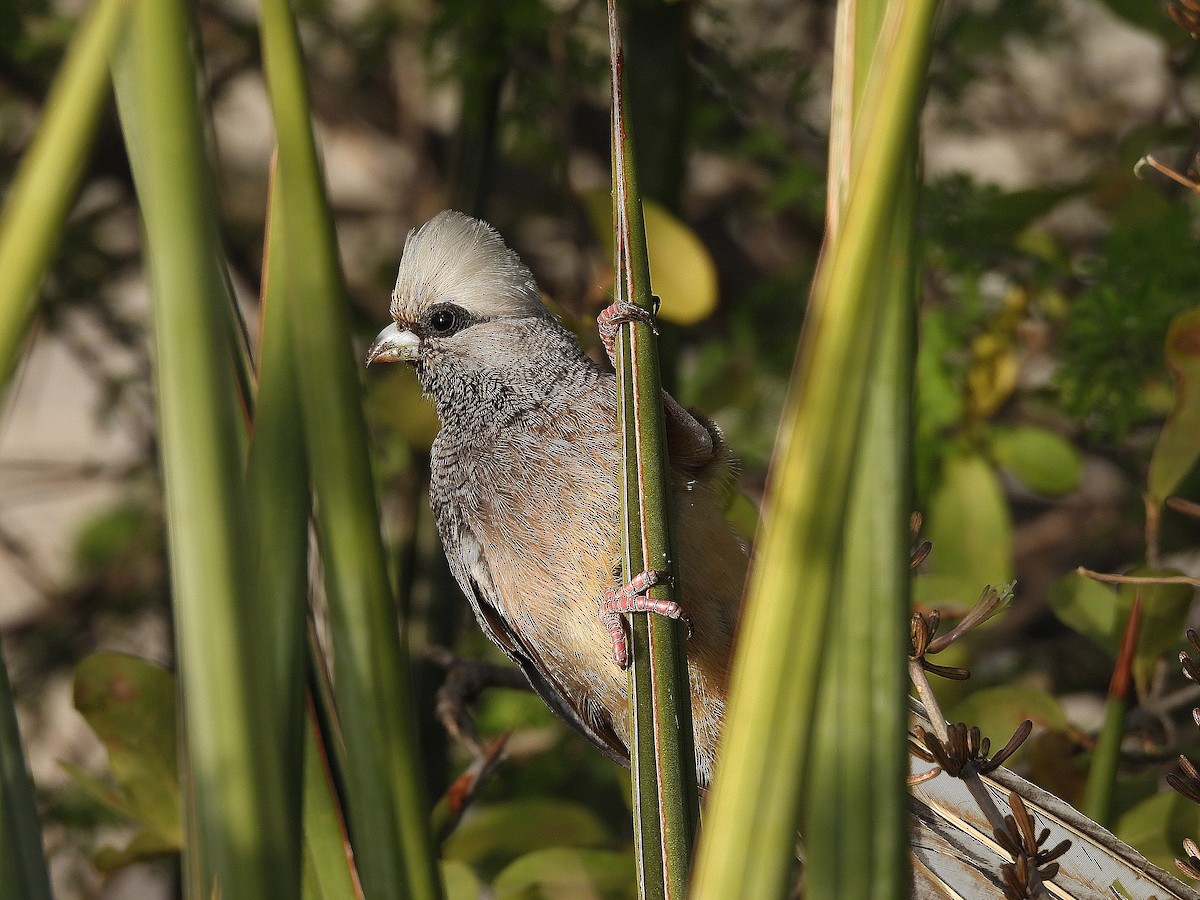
[
  {"x": 465, "y": 680},
  {"x": 1105, "y": 578}
]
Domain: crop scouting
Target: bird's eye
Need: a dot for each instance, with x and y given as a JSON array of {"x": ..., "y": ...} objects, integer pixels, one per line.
[{"x": 443, "y": 320}]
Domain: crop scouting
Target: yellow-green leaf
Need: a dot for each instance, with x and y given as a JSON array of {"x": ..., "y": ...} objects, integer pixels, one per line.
[
  {"x": 1043, "y": 461},
  {"x": 1158, "y": 826},
  {"x": 561, "y": 873},
  {"x": 999, "y": 710},
  {"x": 1088, "y": 607},
  {"x": 682, "y": 273},
  {"x": 459, "y": 882},
  {"x": 503, "y": 831},
  {"x": 1179, "y": 443},
  {"x": 969, "y": 526},
  {"x": 130, "y": 704}
]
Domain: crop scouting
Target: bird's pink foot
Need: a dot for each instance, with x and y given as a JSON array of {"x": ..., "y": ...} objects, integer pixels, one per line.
[
  {"x": 613, "y": 317},
  {"x": 631, "y": 598}
]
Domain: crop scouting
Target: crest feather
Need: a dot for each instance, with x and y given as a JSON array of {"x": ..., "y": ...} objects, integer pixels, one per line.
[{"x": 453, "y": 258}]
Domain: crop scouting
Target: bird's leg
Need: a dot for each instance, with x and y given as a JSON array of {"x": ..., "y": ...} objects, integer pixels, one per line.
[
  {"x": 614, "y": 316},
  {"x": 631, "y": 598}
]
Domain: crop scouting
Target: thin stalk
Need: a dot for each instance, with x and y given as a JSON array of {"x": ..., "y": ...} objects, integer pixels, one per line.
[
  {"x": 387, "y": 808},
  {"x": 666, "y": 805},
  {"x": 23, "y": 871},
  {"x": 746, "y": 847},
  {"x": 1106, "y": 757},
  {"x": 235, "y": 799},
  {"x": 49, "y": 173}
]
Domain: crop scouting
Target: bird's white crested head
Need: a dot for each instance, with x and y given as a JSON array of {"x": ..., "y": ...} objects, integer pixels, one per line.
[{"x": 457, "y": 260}]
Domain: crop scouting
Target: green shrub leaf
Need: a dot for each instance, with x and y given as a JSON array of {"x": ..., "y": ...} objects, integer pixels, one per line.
[{"x": 1043, "y": 461}]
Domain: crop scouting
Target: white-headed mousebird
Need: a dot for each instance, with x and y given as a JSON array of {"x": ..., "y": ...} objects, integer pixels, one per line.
[
  {"x": 524, "y": 488},
  {"x": 524, "y": 484}
]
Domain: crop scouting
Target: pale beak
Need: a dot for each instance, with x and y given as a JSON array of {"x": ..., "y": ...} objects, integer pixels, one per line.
[{"x": 394, "y": 345}]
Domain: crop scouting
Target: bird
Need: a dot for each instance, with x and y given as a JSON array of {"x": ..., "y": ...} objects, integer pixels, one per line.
[
  {"x": 524, "y": 485},
  {"x": 524, "y": 490}
]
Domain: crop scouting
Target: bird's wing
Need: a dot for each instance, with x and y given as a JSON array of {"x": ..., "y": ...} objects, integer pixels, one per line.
[{"x": 475, "y": 579}]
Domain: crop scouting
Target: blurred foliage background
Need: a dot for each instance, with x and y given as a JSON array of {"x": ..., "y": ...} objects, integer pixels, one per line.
[{"x": 1051, "y": 276}]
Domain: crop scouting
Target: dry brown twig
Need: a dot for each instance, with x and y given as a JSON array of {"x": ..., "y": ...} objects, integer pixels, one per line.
[
  {"x": 1154, "y": 164},
  {"x": 1107, "y": 578},
  {"x": 465, "y": 680}
]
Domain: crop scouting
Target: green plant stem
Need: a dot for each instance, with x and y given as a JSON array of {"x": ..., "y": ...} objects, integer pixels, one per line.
[
  {"x": 387, "y": 809},
  {"x": 1106, "y": 757},
  {"x": 666, "y": 805},
  {"x": 49, "y": 173},
  {"x": 746, "y": 847}
]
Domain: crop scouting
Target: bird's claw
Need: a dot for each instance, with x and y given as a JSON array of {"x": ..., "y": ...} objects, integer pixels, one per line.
[
  {"x": 612, "y": 317},
  {"x": 632, "y": 598}
]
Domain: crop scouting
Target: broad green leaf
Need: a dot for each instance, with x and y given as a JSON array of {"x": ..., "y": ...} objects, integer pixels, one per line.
[
  {"x": 1158, "y": 826},
  {"x": 1179, "y": 443},
  {"x": 1100, "y": 613},
  {"x": 103, "y": 792},
  {"x": 1089, "y": 607},
  {"x": 1042, "y": 460},
  {"x": 939, "y": 401},
  {"x": 560, "y": 873},
  {"x": 130, "y": 704},
  {"x": 999, "y": 710},
  {"x": 681, "y": 270},
  {"x": 969, "y": 526},
  {"x": 459, "y": 882},
  {"x": 503, "y": 831}
]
